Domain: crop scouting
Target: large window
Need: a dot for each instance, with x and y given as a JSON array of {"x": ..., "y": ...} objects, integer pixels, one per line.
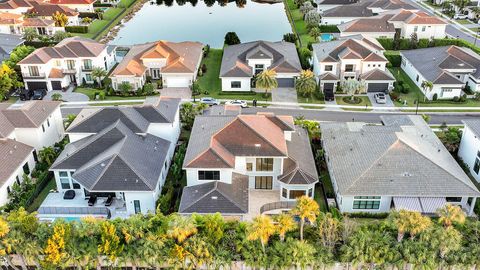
[
  {"x": 476, "y": 166},
  {"x": 33, "y": 71},
  {"x": 264, "y": 164},
  {"x": 87, "y": 64},
  {"x": 296, "y": 193},
  {"x": 258, "y": 68},
  {"x": 263, "y": 182},
  {"x": 208, "y": 175},
  {"x": 64, "y": 180},
  {"x": 236, "y": 84},
  {"x": 366, "y": 202},
  {"x": 26, "y": 168},
  {"x": 349, "y": 68},
  {"x": 328, "y": 67},
  {"x": 249, "y": 166}
]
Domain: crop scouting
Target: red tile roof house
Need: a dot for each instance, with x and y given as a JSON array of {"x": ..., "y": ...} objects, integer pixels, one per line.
[
  {"x": 11, "y": 23},
  {"x": 405, "y": 21},
  {"x": 69, "y": 62},
  {"x": 45, "y": 10},
  {"x": 175, "y": 64},
  {"x": 15, "y": 6},
  {"x": 245, "y": 165},
  {"x": 77, "y": 5},
  {"x": 354, "y": 57}
]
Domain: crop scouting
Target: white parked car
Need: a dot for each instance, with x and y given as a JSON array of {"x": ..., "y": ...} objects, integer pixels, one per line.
[
  {"x": 241, "y": 103},
  {"x": 380, "y": 98},
  {"x": 460, "y": 17},
  {"x": 209, "y": 101}
]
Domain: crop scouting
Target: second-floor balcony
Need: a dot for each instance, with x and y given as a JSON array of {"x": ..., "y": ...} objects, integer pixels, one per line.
[
  {"x": 69, "y": 70},
  {"x": 39, "y": 75},
  {"x": 87, "y": 68}
]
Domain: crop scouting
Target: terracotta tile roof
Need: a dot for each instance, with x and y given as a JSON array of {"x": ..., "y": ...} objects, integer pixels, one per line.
[
  {"x": 68, "y": 48},
  {"x": 416, "y": 17},
  {"x": 10, "y": 18},
  {"x": 181, "y": 57},
  {"x": 377, "y": 75},
  {"x": 328, "y": 77},
  {"x": 12, "y": 156},
  {"x": 38, "y": 22},
  {"x": 6, "y": 128},
  {"x": 56, "y": 73},
  {"x": 355, "y": 47},
  {"x": 377, "y": 24},
  {"x": 44, "y": 9},
  {"x": 73, "y": 2},
  {"x": 218, "y": 139},
  {"x": 31, "y": 114},
  {"x": 373, "y": 57},
  {"x": 13, "y": 4}
]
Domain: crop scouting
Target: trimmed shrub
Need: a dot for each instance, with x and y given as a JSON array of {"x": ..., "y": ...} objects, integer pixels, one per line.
[
  {"x": 83, "y": 29},
  {"x": 435, "y": 97},
  {"x": 394, "y": 59},
  {"x": 329, "y": 29},
  {"x": 91, "y": 15},
  {"x": 394, "y": 96},
  {"x": 405, "y": 89},
  {"x": 290, "y": 37}
]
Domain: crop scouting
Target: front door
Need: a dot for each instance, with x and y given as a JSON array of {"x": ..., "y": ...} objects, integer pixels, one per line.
[
  {"x": 73, "y": 79},
  {"x": 136, "y": 205},
  {"x": 263, "y": 182}
]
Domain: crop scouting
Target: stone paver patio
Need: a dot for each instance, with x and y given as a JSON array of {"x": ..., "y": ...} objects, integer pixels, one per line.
[{"x": 177, "y": 92}]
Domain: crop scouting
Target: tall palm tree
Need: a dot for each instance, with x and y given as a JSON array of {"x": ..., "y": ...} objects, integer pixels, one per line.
[
  {"x": 60, "y": 19},
  {"x": 301, "y": 254},
  {"x": 180, "y": 228},
  {"x": 261, "y": 228},
  {"x": 307, "y": 210},
  {"x": 411, "y": 222},
  {"x": 284, "y": 224},
  {"x": 266, "y": 80},
  {"x": 450, "y": 214},
  {"x": 30, "y": 34},
  {"x": 47, "y": 155},
  {"x": 427, "y": 86},
  {"x": 98, "y": 74},
  {"x": 306, "y": 83}
]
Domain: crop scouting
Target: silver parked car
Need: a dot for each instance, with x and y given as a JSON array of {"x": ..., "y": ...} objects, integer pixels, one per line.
[
  {"x": 241, "y": 103},
  {"x": 380, "y": 98},
  {"x": 209, "y": 101}
]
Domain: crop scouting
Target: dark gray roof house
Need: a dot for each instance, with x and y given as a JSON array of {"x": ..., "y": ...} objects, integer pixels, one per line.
[
  {"x": 115, "y": 159},
  {"x": 283, "y": 55},
  {"x": 8, "y": 42}
]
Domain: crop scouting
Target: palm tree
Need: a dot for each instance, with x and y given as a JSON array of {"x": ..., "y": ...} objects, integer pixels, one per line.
[
  {"x": 60, "y": 19},
  {"x": 98, "y": 74},
  {"x": 411, "y": 222},
  {"x": 307, "y": 210},
  {"x": 30, "y": 34},
  {"x": 47, "y": 155},
  {"x": 284, "y": 224},
  {"x": 329, "y": 230},
  {"x": 266, "y": 80},
  {"x": 427, "y": 87},
  {"x": 180, "y": 228},
  {"x": 315, "y": 32},
  {"x": 450, "y": 214},
  {"x": 261, "y": 228},
  {"x": 301, "y": 253},
  {"x": 306, "y": 83}
]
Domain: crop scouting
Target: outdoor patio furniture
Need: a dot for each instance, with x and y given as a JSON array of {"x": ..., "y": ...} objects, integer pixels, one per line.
[
  {"x": 69, "y": 195},
  {"x": 92, "y": 200},
  {"x": 109, "y": 201}
]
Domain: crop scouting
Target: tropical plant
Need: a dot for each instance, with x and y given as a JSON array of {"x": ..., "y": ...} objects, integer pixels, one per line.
[
  {"x": 451, "y": 138},
  {"x": 99, "y": 74},
  {"x": 110, "y": 245},
  {"x": 7, "y": 80},
  {"x": 180, "y": 228},
  {"x": 231, "y": 38},
  {"x": 188, "y": 111},
  {"x": 69, "y": 119},
  {"x": 86, "y": 20},
  {"x": 306, "y": 83},
  {"x": 266, "y": 80},
  {"x": 47, "y": 155},
  {"x": 60, "y": 19},
  {"x": 353, "y": 87},
  {"x": 312, "y": 18},
  {"x": 55, "y": 253},
  {"x": 427, "y": 86},
  {"x": 410, "y": 222},
  {"x": 329, "y": 230},
  {"x": 261, "y": 228},
  {"x": 125, "y": 87},
  {"x": 284, "y": 224},
  {"x": 306, "y": 7},
  {"x": 60, "y": 35},
  {"x": 30, "y": 34},
  {"x": 56, "y": 97},
  {"x": 413, "y": 40},
  {"x": 461, "y": 4},
  {"x": 315, "y": 32},
  {"x": 451, "y": 214},
  {"x": 307, "y": 210},
  {"x": 302, "y": 254}
]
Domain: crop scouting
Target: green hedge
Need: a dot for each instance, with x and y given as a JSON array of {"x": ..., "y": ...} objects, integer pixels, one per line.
[
  {"x": 96, "y": 4},
  {"x": 91, "y": 15},
  {"x": 394, "y": 58},
  {"x": 404, "y": 44},
  {"x": 40, "y": 44},
  {"x": 235, "y": 93},
  {"x": 329, "y": 29},
  {"x": 83, "y": 29}
]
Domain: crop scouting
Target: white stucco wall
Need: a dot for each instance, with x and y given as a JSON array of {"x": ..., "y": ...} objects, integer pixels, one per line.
[
  {"x": 11, "y": 180},
  {"x": 369, "y": 34},
  {"x": 346, "y": 205},
  {"x": 469, "y": 147},
  {"x": 336, "y": 20},
  {"x": 435, "y": 31},
  {"x": 245, "y": 84}
]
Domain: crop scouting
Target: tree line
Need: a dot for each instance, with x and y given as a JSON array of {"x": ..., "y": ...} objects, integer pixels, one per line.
[{"x": 303, "y": 237}]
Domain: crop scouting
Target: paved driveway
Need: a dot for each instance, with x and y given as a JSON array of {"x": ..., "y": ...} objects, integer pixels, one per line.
[
  {"x": 68, "y": 96},
  {"x": 284, "y": 95},
  {"x": 389, "y": 102},
  {"x": 177, "y": 92}
]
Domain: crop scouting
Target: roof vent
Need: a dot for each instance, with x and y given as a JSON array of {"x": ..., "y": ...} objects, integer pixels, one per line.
[
  {"x": 407, "y": 174},
  {"x": 214, "y": 197},
  {"x": 10, "y": 152},
  {"x": 258, "y": 145},
  {"x": 438, "y": 150},
  {"x": 155, "y": 148},
  {"x": 203, "y": 127},
  {"x": 125, "y": 180},
  {"x": 103, "y": 165}
]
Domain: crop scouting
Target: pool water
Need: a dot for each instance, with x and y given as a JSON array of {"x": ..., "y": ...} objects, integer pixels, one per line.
[
  {"x": 326, "y": 37},
  {"x": 205, "y": 22}
]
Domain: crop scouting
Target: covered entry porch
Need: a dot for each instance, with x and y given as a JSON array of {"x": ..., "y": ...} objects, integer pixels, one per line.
[{"x": 430, "y": 205}]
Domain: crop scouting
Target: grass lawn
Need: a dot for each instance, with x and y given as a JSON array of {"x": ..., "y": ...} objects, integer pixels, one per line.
[
  {"x": 311, "y": 99},
  {"x": 298, "y": 24},
  {"x": 365, "y": 101},
  {"x": 211, "y": 82},
  {"x": 464, "y": 22},
  {"x": 415, "y": 93},
  {"x": 90, "y": 92},
  {"x": 41, "y": 196}
]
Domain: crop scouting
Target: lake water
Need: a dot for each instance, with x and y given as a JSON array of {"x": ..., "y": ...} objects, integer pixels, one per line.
[{"x": 195, "y": 21}]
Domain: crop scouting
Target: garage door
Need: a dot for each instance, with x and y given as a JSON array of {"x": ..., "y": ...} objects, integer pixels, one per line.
[
  {"x": 286, "y": 82},
  {"x": 36, "y": 85},
  {"x": 177, "y": 82},
  {"x": 57, "y": 85},
  {"x": 377, "y": 87}
]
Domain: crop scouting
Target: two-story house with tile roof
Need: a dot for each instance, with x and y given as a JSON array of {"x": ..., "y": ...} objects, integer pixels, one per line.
[
  {"x": 77, "y": 5},
  {"x": 245, "y": 165},
  {"x": 45, "y": 10},
  {"x": 241, "y": 62},
  {"x": 174, "y": 63},
  {"x": 356, "y": 57},
  {"x": 15, "y": 6},
  {"x": 69, "y": 62},
  {"x": 11, "y": 23}
]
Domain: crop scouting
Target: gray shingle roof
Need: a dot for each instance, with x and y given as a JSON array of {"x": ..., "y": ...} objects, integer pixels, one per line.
[
  {"x": 31, "y": 114},
  {"x": 474, "y": 125},
  {"x": 216, "y": 197},
  {"x": 115, "y": 159},
  {"x": 12, "y": 156},
  {"x": 284, "y": 55},
  {"x": 8, "y": 42},
  {"x": 402, "y": 158}
]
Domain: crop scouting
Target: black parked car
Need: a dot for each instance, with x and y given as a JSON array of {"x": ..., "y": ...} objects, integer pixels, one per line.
[
  {"x": 25, "y": 94},
  {"x": 92, "y": 200},
  {"x": 109, "y": 201},
  {"x": 39, "y": 94}
]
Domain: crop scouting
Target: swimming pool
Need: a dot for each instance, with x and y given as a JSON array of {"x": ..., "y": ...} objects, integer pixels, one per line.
[{"x": 326, "y": 37}]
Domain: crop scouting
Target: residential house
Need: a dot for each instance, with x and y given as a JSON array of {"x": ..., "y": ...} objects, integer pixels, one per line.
[
  {"x": 241, "y": 62},
  {"x": 449, "y": 68},
  {"x": 45, "y": 10},
  {"x": 174, "y": 64},
  {"x": 398, "y": 165},
  {"x": 35, "y": 123},
  {"x": 469, "y": 150},
  {"x": 15, "y": 6},
  {"x": 362, "y": 9},
  {"x": 69, "y": 62},
  {"x": 77, "y": 5},
  {"x": 355, "y": 57},
  {"x": 324, "y": 5},
  {"x": 245, "y": 165},
  {"x": 118, "y": 152},
  {"x": 11, "y": 23},
  {"x": 405, "y": 22},
  {"x": 17, "y": 160},
  {"x": 8, "y": 43}
]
